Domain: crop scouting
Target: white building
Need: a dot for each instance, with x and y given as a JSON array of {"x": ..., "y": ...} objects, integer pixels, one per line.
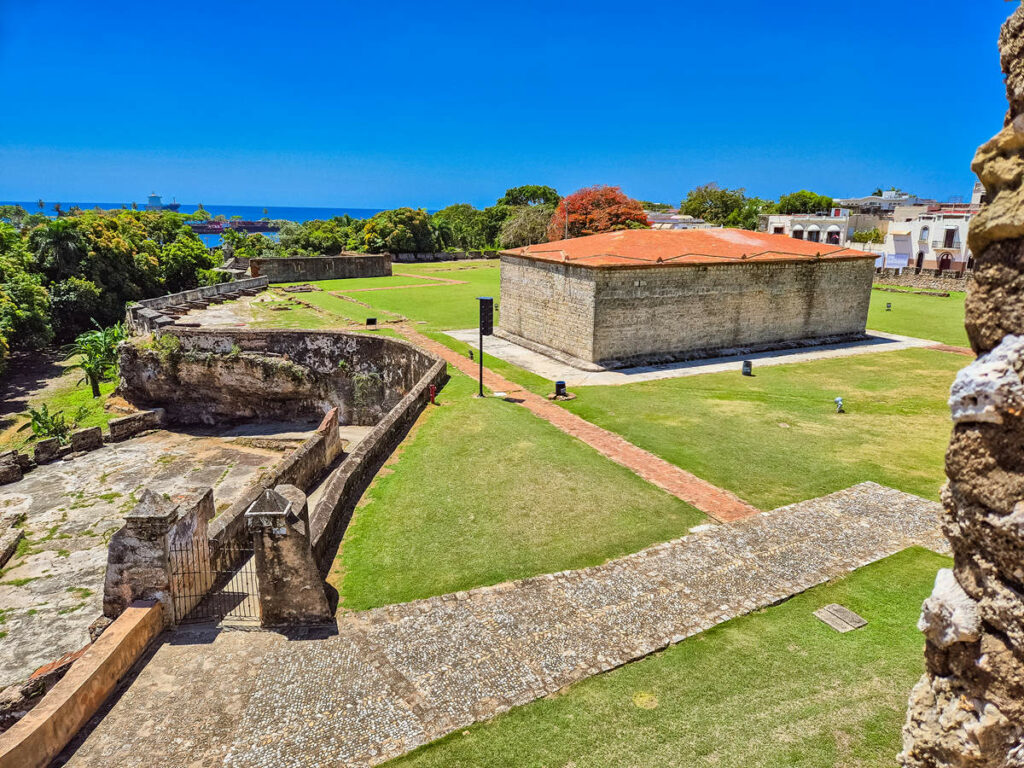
[
  {"x": 674, "y": 220},
  {"x": 933, "y": 240},
  {"x": 832, "y": 227}
]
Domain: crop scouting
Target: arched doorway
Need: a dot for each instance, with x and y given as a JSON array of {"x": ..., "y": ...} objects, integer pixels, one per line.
[
  {"x": 832, "y": 236},
  {"x": 920, "y": 261},
  {"x": 945, "y": 262}
]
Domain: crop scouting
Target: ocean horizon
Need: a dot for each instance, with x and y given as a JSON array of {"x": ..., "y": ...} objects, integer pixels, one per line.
[{"x": 247, "y": 212}]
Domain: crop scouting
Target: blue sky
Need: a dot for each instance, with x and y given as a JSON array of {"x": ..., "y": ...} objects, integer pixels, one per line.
[{"x": 382, "y": 104}]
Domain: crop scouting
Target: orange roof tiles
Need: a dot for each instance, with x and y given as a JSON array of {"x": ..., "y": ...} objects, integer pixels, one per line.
[{"x": 681, "y": 248}]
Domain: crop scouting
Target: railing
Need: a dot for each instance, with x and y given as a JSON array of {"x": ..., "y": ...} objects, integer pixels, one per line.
[{"x": 955, "y": 246}]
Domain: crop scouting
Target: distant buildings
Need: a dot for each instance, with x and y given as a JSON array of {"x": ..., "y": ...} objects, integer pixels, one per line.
[
  {"x": 676, "y": 220},
  {"x": 917, "y": 233}
]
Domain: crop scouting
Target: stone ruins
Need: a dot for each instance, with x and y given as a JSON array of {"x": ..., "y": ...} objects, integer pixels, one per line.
[{"x": 968, "y": 709}]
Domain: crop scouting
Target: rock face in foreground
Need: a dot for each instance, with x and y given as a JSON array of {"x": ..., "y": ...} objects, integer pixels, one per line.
[{"x": 968, "y": 709}]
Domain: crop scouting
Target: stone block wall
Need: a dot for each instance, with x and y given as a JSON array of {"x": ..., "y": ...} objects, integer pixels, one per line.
[
  {"x": 346, "y": 265},
  {"x": 146, "y": 315},
  {"x": 410, "y": 258},
  {"x": 549, "y": 304},
  {"x": 930, "y": 280},
  {"x": 620, "y": 316},
  {"x": 673, "y": 311}
]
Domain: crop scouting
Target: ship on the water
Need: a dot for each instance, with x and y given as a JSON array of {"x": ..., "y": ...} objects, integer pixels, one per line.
[{"x": 156, "y": 203}]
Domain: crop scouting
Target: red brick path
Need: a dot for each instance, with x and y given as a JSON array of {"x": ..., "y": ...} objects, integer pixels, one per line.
[
  {"x": 966, "y": 351},
  {"x": 709, "y": 499}
]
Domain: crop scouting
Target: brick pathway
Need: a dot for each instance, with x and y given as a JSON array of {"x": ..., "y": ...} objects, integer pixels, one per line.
[
  {"x": 966, "y": 351},
  {"x": 394, "y": 678},
  {"x": 709, "y": 499}
]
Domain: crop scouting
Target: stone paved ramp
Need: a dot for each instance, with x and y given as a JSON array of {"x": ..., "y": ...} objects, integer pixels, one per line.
[{"x": 397, "y": 677}]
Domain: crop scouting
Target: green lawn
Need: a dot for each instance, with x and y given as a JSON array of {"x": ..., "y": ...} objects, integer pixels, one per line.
[
  {"x": 775, "y": 688},
  {"x": 926, "y": 317},
  {"x": 74, "y": 400},
  {"x": 775, "y": 438},
  {"x": 485, "y": 492}
]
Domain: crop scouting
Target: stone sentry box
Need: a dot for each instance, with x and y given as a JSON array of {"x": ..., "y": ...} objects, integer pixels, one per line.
[{"x": 604, "y": 310}]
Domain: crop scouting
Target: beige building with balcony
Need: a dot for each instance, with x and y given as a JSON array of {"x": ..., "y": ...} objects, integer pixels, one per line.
[{"x": 935, "y": 240}]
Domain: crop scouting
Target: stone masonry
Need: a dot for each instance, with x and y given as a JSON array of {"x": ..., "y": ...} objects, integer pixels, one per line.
[
  {"x": 611, "y": 310},
  {"x": 399, "y": 676},
  {"x": 968, "y": 708}
]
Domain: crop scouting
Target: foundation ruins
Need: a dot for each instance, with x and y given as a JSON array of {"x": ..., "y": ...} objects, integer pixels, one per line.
[{"x": 968, "y": 708}]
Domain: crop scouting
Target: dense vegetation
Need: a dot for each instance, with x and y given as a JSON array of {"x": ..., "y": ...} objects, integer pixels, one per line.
[
  {"x": 59, "y": 277},
  {"x": 732, "y": 208}
]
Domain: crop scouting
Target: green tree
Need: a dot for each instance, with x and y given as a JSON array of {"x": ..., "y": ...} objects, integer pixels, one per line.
[
  {"x": 95, "y": 354},
  {"x": 528, "y": 225},
  {"x": 745, "y": 217},
  {"x": 402, "y": 230},
  {"x": 59, "y": 247},
  {"x": 24, "y": 311},
  {"x": 712, "y": 203},
  {"x": 181, "y": 260},
  {"x": 73, "y": 304},
  {"x": 868, "y": 236},
  {"x": 531, "y": 194},
  {"x": 460, "y": 227},
  {"x": 804, "y": 201}
]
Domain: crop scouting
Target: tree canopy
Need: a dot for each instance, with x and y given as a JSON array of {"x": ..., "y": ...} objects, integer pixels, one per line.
[
  {"x": 596, "y": 209},
  {"x": 712, "y": 203},
  {"x": 531, "y": 194},
  {"x": 804, "y": 202}
]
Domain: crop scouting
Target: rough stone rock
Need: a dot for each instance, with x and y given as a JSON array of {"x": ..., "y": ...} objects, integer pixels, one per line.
[
  {"x": 10, "y": 472},
  {"x": 949, "y": 615},
  {"x": 991, "y": 386},
  {"x": 47, "y": 450},
  {"x": 86, "y": 439},
  {"x": 968, "y": 709}
]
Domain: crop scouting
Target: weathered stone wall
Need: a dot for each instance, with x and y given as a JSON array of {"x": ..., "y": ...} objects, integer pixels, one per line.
[
  {"x": 968, "y": 709},
  {"x": 346, "y": 484},
  {"x": 618, "y": 316},
  {"x": 924, "y": 281},
  {"x": 242, "y": 374},
  {"x": 347, "y": 265},
  {"x": 147, "y": 315},
  {"x": 549, "y": 304},
  {"x": 671, "y": 311}
]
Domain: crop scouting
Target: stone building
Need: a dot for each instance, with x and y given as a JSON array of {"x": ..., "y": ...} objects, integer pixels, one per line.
[{"x": 620, "y": 298}]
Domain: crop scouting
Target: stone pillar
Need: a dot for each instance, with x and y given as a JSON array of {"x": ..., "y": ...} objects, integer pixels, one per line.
[
  {"x": 968, "y": 708},
  {"x": 290, "y": 588},
  {"x": 162, "y": 554}
]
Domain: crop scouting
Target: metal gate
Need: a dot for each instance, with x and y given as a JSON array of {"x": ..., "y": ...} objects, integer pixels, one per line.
[{"x": 214, "y": 584}]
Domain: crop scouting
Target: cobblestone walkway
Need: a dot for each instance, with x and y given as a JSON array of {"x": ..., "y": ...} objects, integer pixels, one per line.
[
  {"x": 400, "y": 676},
  {"x": 709, "y": 499}
]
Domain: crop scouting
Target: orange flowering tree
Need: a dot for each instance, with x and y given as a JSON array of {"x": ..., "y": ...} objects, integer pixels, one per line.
[{"x": 596, "y": 209}]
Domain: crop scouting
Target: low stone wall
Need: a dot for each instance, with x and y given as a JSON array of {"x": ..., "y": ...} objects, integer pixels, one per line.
[
  {"x": 244, "y": 374},
  {"x": 346, "y": 265},
  {"x": 36, "y": 739},
  {"x": 300, "y": 468},
  {"x": 332, "y": 514},
  {"x": 409, "y": 258},
  {"x": 148, "y": 315},
  {"x": 14, "y": 465},
  {"x": 928, "y": 279}
]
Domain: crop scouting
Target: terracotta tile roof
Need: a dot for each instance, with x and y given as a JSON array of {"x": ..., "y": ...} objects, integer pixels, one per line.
[{"x": 682, "y": 248}]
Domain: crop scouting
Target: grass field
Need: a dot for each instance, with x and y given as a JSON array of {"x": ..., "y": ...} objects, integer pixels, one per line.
[
  {"x": 926, "y": 317},
  {"x": 775, "y": 438},
  {"x": 73, "y": 400},
  {"x": 485, "y": 492},
  {"x": 775, "y": 688}
]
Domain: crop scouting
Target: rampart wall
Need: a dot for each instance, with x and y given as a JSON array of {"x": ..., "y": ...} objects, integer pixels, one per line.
[{"x": 347, "y": 265}]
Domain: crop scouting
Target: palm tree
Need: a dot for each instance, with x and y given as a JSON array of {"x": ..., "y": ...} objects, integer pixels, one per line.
[
  {"x": 95, "y": 354},
  {"x": 59, "y": 246}
]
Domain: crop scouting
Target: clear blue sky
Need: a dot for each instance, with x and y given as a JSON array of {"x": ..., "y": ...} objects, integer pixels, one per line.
[{"x": 379, "y": 104}]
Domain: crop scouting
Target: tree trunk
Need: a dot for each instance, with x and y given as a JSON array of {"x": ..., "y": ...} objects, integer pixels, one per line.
[{"x": 94, "y": 382}]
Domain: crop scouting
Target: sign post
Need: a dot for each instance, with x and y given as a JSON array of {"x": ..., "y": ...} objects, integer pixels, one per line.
[{"x": 486, "y": 329}]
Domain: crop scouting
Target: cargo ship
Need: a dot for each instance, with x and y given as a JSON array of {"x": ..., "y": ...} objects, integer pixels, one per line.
[{"x": 156, "y": 203}]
